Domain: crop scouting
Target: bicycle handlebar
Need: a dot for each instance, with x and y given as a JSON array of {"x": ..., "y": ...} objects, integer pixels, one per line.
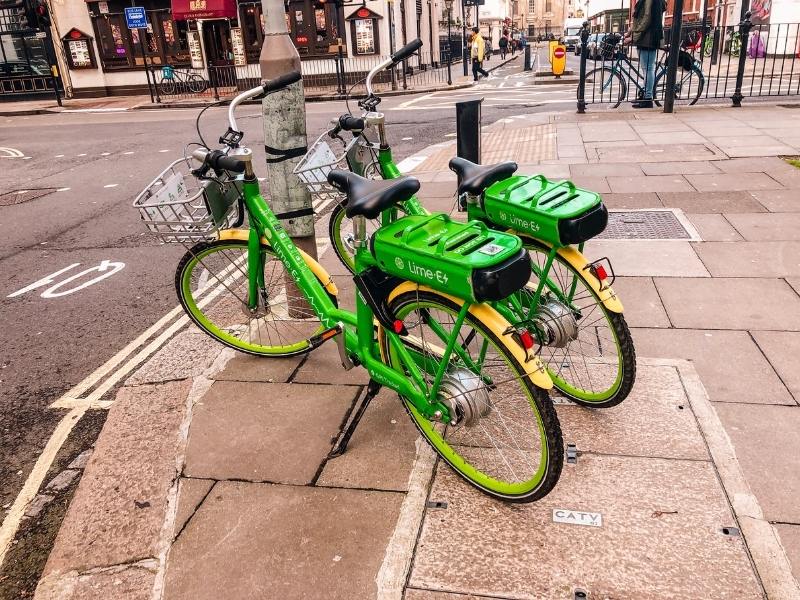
[
  {"x": 272, "y": 85},
  {"x": 350, "y": 123},
  {"x": 217, "y": 160},
  {"x": 395, "y": 58}
]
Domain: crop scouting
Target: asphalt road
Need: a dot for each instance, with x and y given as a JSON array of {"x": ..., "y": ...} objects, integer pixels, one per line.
[{"x": 92, "y": 165}]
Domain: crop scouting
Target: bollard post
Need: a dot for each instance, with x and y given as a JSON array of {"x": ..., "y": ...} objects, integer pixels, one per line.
[
  {"x": 744, "y": 32},
  {"x": 582, "y": 69},
  {"x": 672, "y": 58},
  {"x": 468, "y": 130},
  {"x": 527, "y": 57}
]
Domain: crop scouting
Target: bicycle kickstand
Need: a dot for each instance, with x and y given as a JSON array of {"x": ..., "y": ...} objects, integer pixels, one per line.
[{"x": 341, "y": 445}]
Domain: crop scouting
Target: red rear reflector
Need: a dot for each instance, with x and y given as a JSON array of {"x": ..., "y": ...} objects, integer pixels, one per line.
[
  {"x": 600, "y": 270},
  {"x": 398, "y": 326},
  {"x": 527, "y": 340}
]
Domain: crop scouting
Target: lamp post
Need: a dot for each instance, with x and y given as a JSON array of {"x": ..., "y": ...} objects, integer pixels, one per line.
[{"x": 449, "y": 5}]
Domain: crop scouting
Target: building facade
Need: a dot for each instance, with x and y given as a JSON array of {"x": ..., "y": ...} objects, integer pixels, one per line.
[{"x": 99, "y": 55}]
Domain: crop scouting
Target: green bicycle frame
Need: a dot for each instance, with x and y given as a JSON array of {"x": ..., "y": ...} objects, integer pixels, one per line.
[{"x": 358, "y": 327}]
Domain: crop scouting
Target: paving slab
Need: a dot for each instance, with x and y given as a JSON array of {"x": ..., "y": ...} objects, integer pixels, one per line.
[
  {"x": 729, "y": 363},
  {"x": 244, "y": 367},
  {"x": 324, "y": 366},
  {"x": 130, "y": 583},
  {"x": 790, "y": 538},
  {"x": 750, "y": 259},
  {"x": 776, "y": 149},
  {"x": 657, "y": 153},
  {"x": 649, "y": 183},
  {"x": 598, "y": 132},
  {"x": 720, "y": 303},
  {"x": 794, "y": 282},
  {"x": 606, "y": 170},
  {"x": 632, "y": 201},
  {"x": 191, "y": 493},
  {"x": 626, "y": 429},
  {"x": 778, "y": 200},
  {"x": 788, "y": 177},
  {"x": 767, "y": 442},
  {"x": 640, "y": 299},
  {"x": 714, "y": 227},
  {"x": 119, "y": 508},
  {"x": 732, "y": 182},
  {"x": 767, "y": 226},
  {"x": 640, "y": 258},
  {"x": 269, "y": 541},
  {"x": 758, "y": 164},
  {"x": 782, "y": 349},
  {"x": 188, "y": 354},
  {"x": 680, "y": 168},
  {"x": 595, "y": 184},
  {"x": 528, "y": 555},
  {"x": 277, "y": 432},
  {"x": 380, "y": 453},
  {"x": 711, "y": 202}
]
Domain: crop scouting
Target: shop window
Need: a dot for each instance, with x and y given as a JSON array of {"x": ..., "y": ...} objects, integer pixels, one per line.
[
  {"x": 313, "y": 26},
  {"x": 251, "y": 20}
]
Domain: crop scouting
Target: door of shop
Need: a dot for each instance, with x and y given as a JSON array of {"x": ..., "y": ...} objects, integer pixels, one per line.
[{"x": 219, "y": 53}]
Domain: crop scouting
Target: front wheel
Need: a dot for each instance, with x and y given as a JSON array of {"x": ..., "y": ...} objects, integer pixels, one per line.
[
  {"x": 167, "y": 87},
  {"x": 586, "y": 348},
  {"x": 604, "y": 85},
  {"x": 689, "y": 86},
  {"x": 196, "y": 84},
  {"x": 212, "y": 286},
  {"x": 506, "y": 440}
]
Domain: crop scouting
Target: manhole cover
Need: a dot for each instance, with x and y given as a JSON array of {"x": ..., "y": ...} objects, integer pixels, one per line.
[
  {"x": 20, "y": 196},
  {"x": 645, "y": 225}
]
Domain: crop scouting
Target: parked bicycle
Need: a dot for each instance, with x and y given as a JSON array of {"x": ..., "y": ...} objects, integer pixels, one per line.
[
  {"x": 472, "y": 383},
  {"x": 734, "y": 44},
  {"x": 610, "y": 82},
  {"x": 173, "y": 81},
  {"x": 568, "y": 306}
]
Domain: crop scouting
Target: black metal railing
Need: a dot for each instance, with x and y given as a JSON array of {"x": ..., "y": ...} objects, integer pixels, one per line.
[
  {"x": 735, "y": 62},
  {"x": 329, "y": 76}
]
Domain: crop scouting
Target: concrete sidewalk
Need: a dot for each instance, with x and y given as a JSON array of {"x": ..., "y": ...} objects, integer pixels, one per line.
[{"x": 211, "y": 477}]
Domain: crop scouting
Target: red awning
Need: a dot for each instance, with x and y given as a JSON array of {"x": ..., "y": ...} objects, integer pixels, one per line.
[{"x": 203, "y": 9}]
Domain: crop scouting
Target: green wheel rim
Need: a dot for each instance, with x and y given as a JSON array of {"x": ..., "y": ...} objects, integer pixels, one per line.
[
  {"x": 336, "y": 239},
  {"x": 451, "y": 455},
  {"x": 200, "y": 318}
]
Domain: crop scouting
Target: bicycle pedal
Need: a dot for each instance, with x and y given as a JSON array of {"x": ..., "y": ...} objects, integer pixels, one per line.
[{"x": 333, "y": 332}]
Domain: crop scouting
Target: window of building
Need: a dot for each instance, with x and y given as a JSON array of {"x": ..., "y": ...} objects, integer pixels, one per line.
[
  {"x": 251, "y": 20},
  {"x": 313, "y": 26},
  {"x": 164, "y": 40},
  {"x": 548, "y": 6},
  {"x": 531, "y": 6}
]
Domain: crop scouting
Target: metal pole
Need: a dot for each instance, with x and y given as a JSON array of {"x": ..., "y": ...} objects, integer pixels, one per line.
[
  {"x": 464, "y": 50},
  {"x": 582, "y": 69},
  {"x": 392, "y": 70},
  {"x": 744, "y": 32},
  {"x": 672, "y": 59},
  {"x": 142, "y": 33},
  {"x": 53, "y": 60},
  {"x": 449, "y": 42},
  {"x": 285, "y": 129},
  {"x": 342, "y": 86}
]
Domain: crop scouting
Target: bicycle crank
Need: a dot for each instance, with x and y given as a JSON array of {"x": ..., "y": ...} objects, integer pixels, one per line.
[
  {"x": 465, "y": 395},
  {"x": 556, "y": 323}
]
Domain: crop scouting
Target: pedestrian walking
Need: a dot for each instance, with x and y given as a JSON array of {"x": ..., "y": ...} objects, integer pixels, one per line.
[
  {"x": 647, "y": 34},
  {"x": 477, "y": 50},
  {"x": 503, "y": 44}
]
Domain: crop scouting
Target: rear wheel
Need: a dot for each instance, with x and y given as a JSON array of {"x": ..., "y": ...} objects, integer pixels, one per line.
[
  {"x": 689, "y": 86},
  {"x": 604, "y": 85},
  {"x": 196, "y": 84},
  {"x": 167, "y": 87},
  {"x": 507, "y": 439},
  {"x": 212, "y": 286}
]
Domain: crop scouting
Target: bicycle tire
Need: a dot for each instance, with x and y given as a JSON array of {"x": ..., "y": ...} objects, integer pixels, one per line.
[
  {"x": 696, "y": 89},
  {"x": 196, "y": 84},
  {"x": 464, "y": 448},
  {"x": 596, "y": 384},
  {"x": 167, "y": 87},
  {"x": 607, "y": 79},
  {"x": 214, "y": 300}
]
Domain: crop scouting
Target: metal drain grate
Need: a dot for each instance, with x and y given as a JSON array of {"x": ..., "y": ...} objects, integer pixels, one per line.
[
  {"x": 645, "y": 225},
  {"x": 20, "y": 196}
]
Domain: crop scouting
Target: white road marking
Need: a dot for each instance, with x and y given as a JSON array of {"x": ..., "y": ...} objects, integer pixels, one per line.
[
  {"x": 11, "y": 153},
  {"x": 63, "y": 189},
  {"x": 105, "y": 153},
  {"x": 130, "y": 152},
  {"x": 59, "y": 156},
  {"x": 102, "y": 268},
  {"x": 405, "y": 139},
  {"x": 110, "y": 185},
  {"x": 409, "y": 164},
  {"x": 82, "y": 154},
  {"x": 162, "y": 151}
]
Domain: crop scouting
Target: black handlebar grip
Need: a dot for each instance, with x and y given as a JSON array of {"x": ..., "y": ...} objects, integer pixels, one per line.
[
  {"x": 227, "y": 163},
  {"x": 350, "y": 123},
  {"x": 407, "y": 50},
  {"x": 281, "y": 82}
]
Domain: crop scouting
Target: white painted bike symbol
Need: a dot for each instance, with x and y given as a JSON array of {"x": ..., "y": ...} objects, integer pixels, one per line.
[
  {"x": 106, "y": 269},
  {"x": 11, "y": 153}
]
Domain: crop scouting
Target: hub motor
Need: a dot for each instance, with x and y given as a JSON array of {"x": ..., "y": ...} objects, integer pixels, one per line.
[
  {"x": 556, "y": 322},
  {"x": 466, "y": 396}
]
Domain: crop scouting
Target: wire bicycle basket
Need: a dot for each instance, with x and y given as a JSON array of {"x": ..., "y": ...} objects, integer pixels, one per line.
[
  {"x": 178, "y": 207},
  {"x": 320, "y": 160}
]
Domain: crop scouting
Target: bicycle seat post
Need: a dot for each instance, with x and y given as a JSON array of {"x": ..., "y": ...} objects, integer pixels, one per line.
[{"x": 359, "y": 231}]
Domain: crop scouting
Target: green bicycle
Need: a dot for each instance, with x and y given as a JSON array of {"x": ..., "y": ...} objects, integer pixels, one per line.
[
  {"x": 569, "y": 306},
  {"x": 469, "y": 381}
]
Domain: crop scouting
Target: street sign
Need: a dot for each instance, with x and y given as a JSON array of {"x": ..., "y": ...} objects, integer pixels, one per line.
[
  {"x": 136, "y": 17},
  {"x": 558, "y": 59},
  {"x": 559, "y": 52}
]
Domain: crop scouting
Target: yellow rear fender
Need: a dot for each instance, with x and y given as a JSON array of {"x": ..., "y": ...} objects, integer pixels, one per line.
[
  {"x": 579, "y": 262},
  {"x": 316, "y": 268},
  {"x": 497, "y": 325}
]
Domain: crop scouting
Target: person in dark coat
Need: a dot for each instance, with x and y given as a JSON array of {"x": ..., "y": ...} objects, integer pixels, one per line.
[{"x": 647, "y": 34}]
